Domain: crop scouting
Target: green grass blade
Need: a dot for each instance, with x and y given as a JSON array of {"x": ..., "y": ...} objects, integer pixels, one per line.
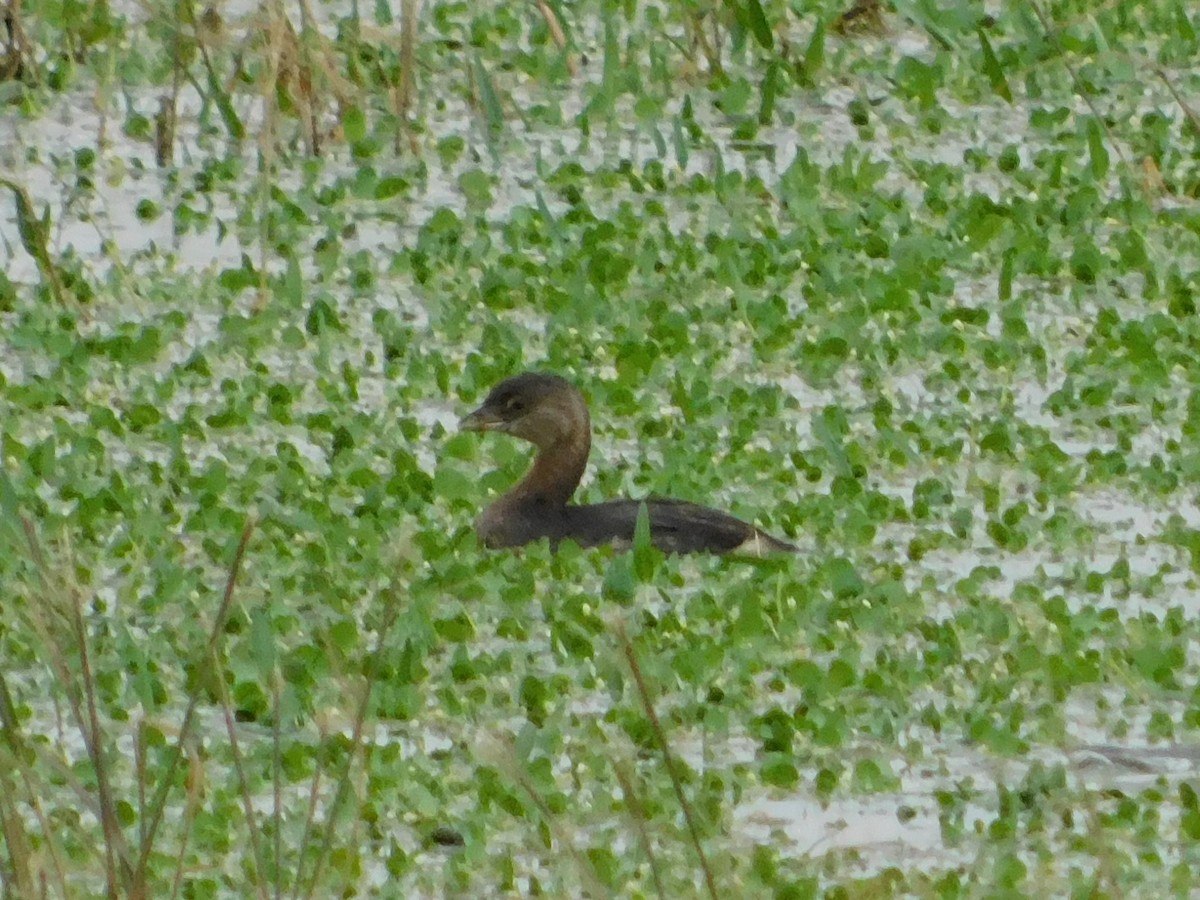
[{"x": 993, "y": 70}]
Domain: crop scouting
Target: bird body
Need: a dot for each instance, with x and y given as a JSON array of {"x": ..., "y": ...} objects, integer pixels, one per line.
[{"x": 550, "y": 413}]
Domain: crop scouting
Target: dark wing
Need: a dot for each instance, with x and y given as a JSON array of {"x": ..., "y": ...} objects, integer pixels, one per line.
[{"x": 676, "y": 526}]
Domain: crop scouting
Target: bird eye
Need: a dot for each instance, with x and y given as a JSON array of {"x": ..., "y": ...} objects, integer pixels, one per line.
[{"x": 515, "y": 404}]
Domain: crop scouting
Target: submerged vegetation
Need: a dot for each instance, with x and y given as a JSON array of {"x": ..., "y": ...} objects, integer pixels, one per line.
[{"x": 919, "y": 280}]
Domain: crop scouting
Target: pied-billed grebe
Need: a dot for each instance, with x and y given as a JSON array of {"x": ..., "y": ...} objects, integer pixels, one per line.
[{"x": 550, "y": 413}]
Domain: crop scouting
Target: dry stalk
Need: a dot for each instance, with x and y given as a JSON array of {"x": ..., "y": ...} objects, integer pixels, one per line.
[
  {"x": 558, "y": 35},
  {"x": 16, "y": 63},
  {"x": 669, "y": 760},
  {"x": 863, "y": 17}
]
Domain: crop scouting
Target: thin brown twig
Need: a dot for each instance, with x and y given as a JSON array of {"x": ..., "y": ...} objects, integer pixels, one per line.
[
  {"x": 214, "y": 638},
  {"x": 277, "y": 782},
  {"x": 87, "y": 721},
  {"x": 668, "y": 758},
  {"x": 408, "y": 59},
  {"x": 391, "y": 613},
  {"x": 18, "y": 749},
  {"x": 310, "y": 819},
  {"x": 638, "y": 813},
  {"x": 16, "y": 839},
  {"x": 243, "y": 781},
  {"x": 139, "y": 774},
  {"x": 195, "y": 793},
  {"x": 1192, "y": 115},
  {"x": 113, "y": 838},
  {"x": 305, "y": 94},
  {"x": 49, "y": 831},
  {"x": 19, "y": 57},
  {"x": 279, "y": 27},
  {"x": 558, "y": 35},
  {"x": 516, "y": 772},
  {"x": 18, "y": 872}
]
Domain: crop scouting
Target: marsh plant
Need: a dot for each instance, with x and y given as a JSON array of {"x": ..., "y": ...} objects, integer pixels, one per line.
[{"x": 911, "y": 284}]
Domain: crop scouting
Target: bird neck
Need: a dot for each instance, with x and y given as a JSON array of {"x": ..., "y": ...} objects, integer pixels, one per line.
[{"x": 557, "y": 470}]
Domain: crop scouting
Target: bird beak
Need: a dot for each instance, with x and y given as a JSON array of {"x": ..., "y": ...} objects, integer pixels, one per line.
[{"x": 483, "y": 419}]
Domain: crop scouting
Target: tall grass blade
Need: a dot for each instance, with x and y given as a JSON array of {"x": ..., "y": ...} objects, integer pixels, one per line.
[
  {"x": 756, "y": 19},
  {"x": 770, "y": 88},
  {"x": 992, "y": 68},
  {"x": 35, "y": 238},
  {"x": 489, "y": 98},
  {"x": 814, "y": 57},
  {"x": 1098, "y": 161}
]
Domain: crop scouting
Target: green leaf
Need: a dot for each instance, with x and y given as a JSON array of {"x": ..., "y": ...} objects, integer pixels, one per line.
[
  {"x": 770, "y": 87},
  {"x": 814, "y": 57},
  {"x": 872, "y": 778},
  {"x": 476, "y": 186},
  {"x": 228, "y": 114},
  {"x": 843, "y": 579},
  {"x": 679, "y": 139},
  {"x": 611, "y": 70},
  {"x": 919, "y": 80},
  {"x": 455, "y": 629},
  {"x": 919, "y": 14},
  {"x": 992, "y": 68},
  {"x": 645, "y": 555},
  {"x": 759, "y": 26},
  {"x": 1097, "y": 152},
  {"x": 1086, "y": 260},
  {"x": 488, "y": 96},
  {"x": 1005, "y": 284},
  {"x": 619, "y": 582},
  {"x": 389, "y": 187},
  {"x": 1183, "y": 25},
  {"x": 826, "y": 783},
  {"x": 293, "y": 283},
  {"x": 780, "y": 771},
  {"x": 262, "y": 643},
  {"x": 10, "y": 508},
  {"x": 354, "y": 124}
]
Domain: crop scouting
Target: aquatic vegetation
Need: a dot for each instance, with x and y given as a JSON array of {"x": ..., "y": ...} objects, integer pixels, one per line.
[{"x": 923, "y": 291}]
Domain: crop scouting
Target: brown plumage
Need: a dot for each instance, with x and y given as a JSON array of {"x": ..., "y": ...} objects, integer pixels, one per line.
[{"x": 550, "y": 413}]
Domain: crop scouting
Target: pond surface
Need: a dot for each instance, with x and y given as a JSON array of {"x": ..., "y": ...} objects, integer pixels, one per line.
[{"x": 941, "y": 340}]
